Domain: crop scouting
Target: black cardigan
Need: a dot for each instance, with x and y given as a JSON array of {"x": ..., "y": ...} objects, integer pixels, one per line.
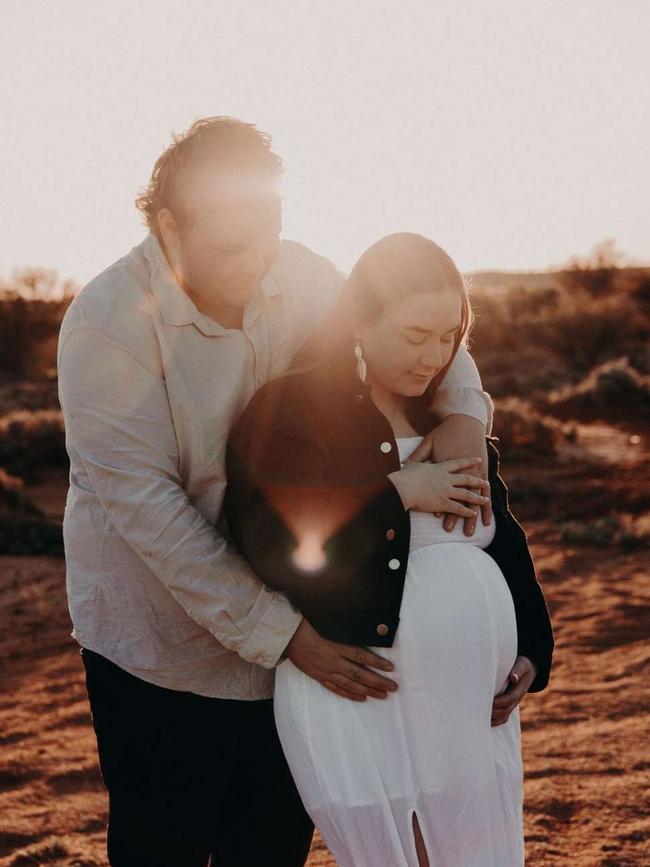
[{"x": 307, "y": 467}]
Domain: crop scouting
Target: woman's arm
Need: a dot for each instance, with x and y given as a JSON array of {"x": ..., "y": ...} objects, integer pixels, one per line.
[{"x": 510, "y": 550}]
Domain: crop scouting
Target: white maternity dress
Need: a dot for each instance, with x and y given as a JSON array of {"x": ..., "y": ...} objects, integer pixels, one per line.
[{"x": 364, "y": 769}]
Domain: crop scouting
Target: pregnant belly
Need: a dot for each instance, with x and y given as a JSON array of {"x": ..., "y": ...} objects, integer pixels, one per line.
[
  {"x": 454, "y": 648},
  {"x": 457, "y": 611}
]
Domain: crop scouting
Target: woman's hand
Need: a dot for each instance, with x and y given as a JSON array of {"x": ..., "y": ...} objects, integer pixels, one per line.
[
  {"x": 442, "y": 487},
  {"x": 341, "y": 668},
  {"x": 454, "y": 436},
  {"x": 520, "y": 678}
]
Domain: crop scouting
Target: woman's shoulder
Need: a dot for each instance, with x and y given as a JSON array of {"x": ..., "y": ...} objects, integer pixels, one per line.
[
  {"x": 279, "y": 435},
  {"x": 285, "y": 404}
]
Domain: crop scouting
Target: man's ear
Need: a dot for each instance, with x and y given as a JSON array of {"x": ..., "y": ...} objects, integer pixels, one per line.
[{"x": 167, "y": 228}]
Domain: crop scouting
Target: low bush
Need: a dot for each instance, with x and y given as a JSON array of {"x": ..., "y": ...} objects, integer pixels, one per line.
[
  {"x": 28, "y": 536},
  {"x": 621, "y": 530},
  {"x": 610, "y": 392},
  {"x": 523, "y": 431},
  {"x": 30, "y": 441},
  {"x": 23, "y": 527},
  {"x": 28, "y": 395},
  {"x": 529, "y": 373}
]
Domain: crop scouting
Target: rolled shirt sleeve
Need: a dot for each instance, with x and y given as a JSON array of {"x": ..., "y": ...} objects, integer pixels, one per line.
[
  {"x": 461, "y": 391},
  {"x": 119, "y": 422}
]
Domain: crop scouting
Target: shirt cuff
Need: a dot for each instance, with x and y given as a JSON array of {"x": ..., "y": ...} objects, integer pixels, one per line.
[
  {"x": 272, "y": 633},
  {"x": 464, "y": 401}
]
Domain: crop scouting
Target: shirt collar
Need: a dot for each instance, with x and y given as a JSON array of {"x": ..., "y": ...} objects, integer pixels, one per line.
[{"x": 176, "y": 307}]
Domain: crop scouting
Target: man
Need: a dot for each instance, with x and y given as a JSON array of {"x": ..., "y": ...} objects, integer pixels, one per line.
[{"x": 158, "y": 356}]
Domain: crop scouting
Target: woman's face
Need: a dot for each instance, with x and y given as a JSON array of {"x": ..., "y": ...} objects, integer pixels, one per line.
[{"x": 411, "y": 341}]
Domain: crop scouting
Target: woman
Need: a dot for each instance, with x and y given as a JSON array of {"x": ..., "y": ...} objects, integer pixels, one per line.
[{"x": 314, "y": 503}]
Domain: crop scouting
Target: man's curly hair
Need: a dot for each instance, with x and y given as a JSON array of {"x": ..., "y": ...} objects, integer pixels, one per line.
[{"x": 219, "y": 141}]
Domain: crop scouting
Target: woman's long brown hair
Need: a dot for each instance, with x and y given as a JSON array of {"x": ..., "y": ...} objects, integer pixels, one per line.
[{"x": 396, "y": 266}]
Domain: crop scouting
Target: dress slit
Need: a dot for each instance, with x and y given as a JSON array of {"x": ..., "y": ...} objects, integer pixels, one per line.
[{"x": 418, "y": 837}]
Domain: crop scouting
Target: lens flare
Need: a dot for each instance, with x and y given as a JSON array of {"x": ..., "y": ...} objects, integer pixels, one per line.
[{"x": 309, "y": 555}]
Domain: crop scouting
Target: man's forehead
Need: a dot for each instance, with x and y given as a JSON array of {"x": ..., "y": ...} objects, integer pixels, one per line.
[{"x": 222, "y": 190}]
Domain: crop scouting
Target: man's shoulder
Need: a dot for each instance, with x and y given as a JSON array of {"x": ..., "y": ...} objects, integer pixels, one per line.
[{"x": 117, "y": 302}]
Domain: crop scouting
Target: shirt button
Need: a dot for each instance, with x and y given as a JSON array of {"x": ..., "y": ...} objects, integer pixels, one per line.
[
  {"x": 382, "y": 629},
  {"x": 393, "y": 564},
  {"x": 385, "y": 447},
  {"x": 390, "y": 535}
]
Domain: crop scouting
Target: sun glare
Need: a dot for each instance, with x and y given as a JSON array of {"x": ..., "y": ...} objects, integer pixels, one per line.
[{"x": 309, "y": 555}]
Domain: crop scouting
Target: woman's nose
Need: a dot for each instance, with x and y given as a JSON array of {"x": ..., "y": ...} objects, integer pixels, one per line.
[{"x": 431, "y": 359}]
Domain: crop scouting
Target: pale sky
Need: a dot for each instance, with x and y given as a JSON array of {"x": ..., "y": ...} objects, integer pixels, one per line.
[{"x": 514, "y": 133}]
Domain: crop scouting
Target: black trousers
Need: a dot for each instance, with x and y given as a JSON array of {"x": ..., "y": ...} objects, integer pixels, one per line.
[{"x": 192, "y": 780}]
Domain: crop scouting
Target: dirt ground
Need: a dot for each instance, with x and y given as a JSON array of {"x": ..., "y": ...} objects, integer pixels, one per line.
[{"x": 585, "y": 739}]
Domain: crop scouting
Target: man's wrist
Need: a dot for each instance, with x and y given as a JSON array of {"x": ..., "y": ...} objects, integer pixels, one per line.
[
  {"x": 397, "y": 479},
  {"x": 285, "y": 653}
]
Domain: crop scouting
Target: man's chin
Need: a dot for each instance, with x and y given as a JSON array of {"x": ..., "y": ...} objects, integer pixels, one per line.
[{"x": 241, "y": 296}]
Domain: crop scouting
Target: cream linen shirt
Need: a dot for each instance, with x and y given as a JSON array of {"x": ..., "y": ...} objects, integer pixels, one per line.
[{"x": 150, "y": 388}]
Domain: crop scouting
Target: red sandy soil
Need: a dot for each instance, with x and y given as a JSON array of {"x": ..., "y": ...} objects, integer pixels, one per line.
[{"x": 585, "y": 739}]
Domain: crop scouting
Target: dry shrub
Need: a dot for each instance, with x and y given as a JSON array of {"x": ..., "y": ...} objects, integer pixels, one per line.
[
  {"x": 624, "y": 530},
  {"x": 577, "y": 333},
  {"x": 523, "y": 431},
  {"x": 640, "y": 291},
  {"x": 12, "y": 499},
  {"x": 23, "y": 528},
  {"x": 532, "y": 339},
  {"x": 30, "y": 441},
  {"x": 611, "y": 391},
  {"x": 29, "y": 327},
  {"x": 596, "y": 273},
  {"x": 529, "y": 372},
  {"x": 587, "y": 332},
  {"x": 28, "y": 395}
]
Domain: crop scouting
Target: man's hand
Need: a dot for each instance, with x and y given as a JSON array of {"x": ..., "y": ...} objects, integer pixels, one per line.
[
  {"x": 341, "y": 668},
  {"x": 440, "y": 487},
  {"x": 521, "y": 676},
  {"x": 455, "y": 436}
]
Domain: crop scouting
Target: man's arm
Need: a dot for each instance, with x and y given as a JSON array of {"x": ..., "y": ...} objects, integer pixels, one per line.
[
  {"x": 466, "y": 411},
  {"x": 461, "y": 393},
  {"x": 119, "y": 421}
]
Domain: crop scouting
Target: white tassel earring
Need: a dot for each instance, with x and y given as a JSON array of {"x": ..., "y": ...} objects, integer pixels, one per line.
[{"x": 362, "y": 367}]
